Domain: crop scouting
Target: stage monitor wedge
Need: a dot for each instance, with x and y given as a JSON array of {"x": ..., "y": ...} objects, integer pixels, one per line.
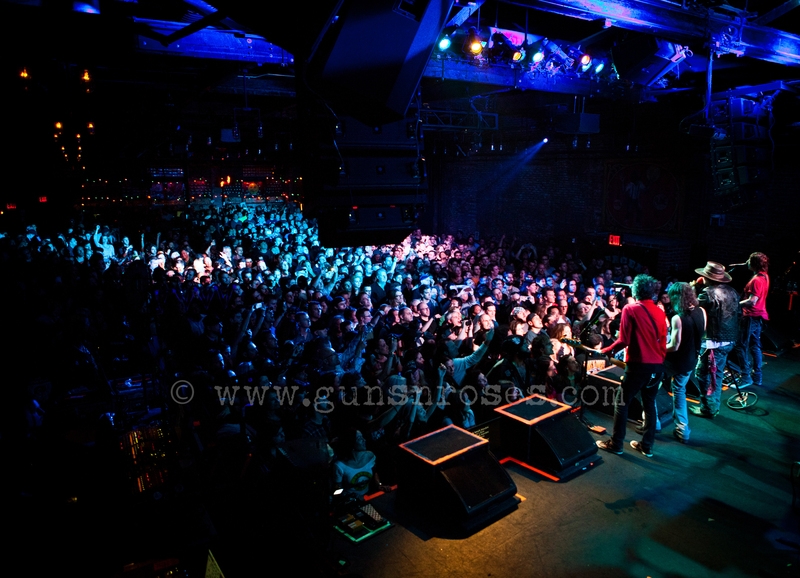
[
  {"x": 449, "y": 476},
  {"x": 544, "y": 434}
]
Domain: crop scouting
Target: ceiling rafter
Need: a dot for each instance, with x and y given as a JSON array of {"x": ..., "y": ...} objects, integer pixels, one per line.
[{"x": 723, "y": 29}]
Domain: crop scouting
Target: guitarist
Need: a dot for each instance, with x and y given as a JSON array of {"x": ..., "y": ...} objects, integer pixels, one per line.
[{"x": 643, "y": 330}]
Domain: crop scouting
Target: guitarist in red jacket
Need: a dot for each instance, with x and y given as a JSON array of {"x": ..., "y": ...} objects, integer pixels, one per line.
[{"x": 643, "y": 330}]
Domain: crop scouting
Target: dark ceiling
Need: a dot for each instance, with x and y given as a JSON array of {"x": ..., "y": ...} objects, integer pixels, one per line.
[{"x": 164, "y": 70}]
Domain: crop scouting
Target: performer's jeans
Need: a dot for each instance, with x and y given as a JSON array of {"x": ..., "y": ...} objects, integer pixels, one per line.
[
  {"x": 709, "y": 371},
  {"x": 680, "y": 414},
  {"x": 748, "y": 349},
  {"x": 644, "y": 378}
]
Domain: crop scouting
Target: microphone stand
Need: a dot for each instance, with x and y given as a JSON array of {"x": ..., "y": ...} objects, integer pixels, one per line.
[
  {"x": 598, "y": 429},
  {"x": 594, "y": 320}
]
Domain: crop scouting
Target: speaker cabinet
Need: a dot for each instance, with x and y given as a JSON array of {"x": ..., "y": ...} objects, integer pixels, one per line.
[
  {"x": 544, "y": 434},
  {"x": 644, "y": 59},
  {"x": 451, "y": 476},
  {"x": 378, "y": 188},
  {"x": 606, "y": 381},
  {"x": 369, "y": 62}
]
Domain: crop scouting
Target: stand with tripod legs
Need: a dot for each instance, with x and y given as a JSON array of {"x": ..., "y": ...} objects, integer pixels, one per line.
[
  {"x": 598, "y": 429},
  {"x": 742, "y": 399}
]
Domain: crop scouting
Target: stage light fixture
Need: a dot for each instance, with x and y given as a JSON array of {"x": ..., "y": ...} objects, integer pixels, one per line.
[
  {"x": 473, "y": 44},
  {"x": 607, "y": 72},
  {"x": 502, "y": 50},
  {"x": 498, "y": 47},
  {"x": 555, "y": 57},
  {"x": 536, "y": 51},
  {"x": 445, "y": 43},
  {"x": 599, "y": 67},
  {"x": 545, "y": 140}
]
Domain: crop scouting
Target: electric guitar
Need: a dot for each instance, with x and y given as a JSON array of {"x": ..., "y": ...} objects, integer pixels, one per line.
[{"x": 578, "y": 345}]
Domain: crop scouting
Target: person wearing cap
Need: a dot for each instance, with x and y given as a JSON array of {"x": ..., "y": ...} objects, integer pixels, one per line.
[
  {"x": 721, "y": 304},
  {"x": 747, "y": 352}
]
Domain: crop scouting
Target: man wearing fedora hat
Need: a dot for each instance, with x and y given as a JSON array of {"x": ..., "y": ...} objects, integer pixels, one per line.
[{"x": 721, "y": 304}]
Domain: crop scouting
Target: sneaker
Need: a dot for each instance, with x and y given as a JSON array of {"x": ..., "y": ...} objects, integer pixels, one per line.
[
  {"x": 638, "y": 447},
  {"x": 744, "y": 382},
  {"x": 678, "y": 437},
  {"x": 606, "y": 446},
  {"x": 700, "y": 412},
  {"x": 639, "y": 429}
]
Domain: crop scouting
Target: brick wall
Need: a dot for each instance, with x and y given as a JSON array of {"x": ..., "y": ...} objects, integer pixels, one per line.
[{"x": 558, "y": 193}]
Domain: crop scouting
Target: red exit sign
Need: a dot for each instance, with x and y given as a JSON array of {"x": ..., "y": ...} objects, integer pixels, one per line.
[{"x": 615, "y": 240}]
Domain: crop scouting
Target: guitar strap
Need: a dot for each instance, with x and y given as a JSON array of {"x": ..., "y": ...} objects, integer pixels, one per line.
[
  {"x": 653, "y": 321},
  {"x": 655, "y": 377}
]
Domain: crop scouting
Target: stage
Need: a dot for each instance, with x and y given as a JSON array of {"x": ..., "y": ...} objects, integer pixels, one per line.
[{"x": 719, "y": 506}]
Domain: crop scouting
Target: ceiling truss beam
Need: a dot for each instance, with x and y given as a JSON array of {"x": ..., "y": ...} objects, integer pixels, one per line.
[{"x": 721, "y": 30}]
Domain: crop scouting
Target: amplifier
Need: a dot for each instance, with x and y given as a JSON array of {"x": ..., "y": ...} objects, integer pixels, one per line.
[{"x": 150, "y": 457}]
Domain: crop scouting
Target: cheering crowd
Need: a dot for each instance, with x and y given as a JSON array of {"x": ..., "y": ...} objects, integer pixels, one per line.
[{"x": 281, "y": 338}]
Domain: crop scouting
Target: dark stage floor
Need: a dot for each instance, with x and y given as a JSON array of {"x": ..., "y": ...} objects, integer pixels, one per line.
[{"x": 719, "y": 506}]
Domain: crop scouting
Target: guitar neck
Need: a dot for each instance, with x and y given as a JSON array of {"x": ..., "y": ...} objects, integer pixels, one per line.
[{"x": 578, "y": 345}]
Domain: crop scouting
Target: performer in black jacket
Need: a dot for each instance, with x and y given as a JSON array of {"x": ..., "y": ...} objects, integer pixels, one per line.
[{"x": 721, "y": 304}]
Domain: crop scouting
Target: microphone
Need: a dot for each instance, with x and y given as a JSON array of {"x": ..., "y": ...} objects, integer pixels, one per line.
[{"x": 736, "y": 265}]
